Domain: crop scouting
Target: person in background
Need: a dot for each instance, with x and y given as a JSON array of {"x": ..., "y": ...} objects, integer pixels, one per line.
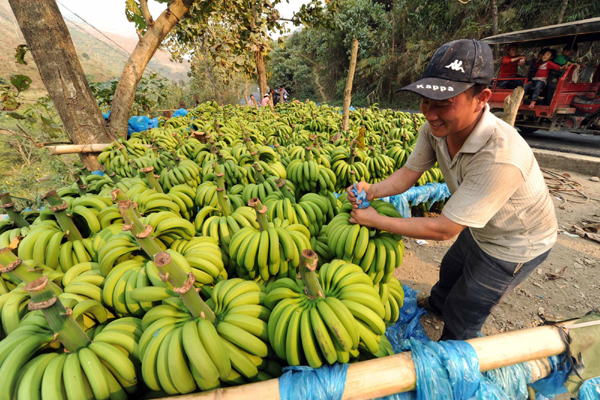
[
  {"x": 283, "y": 94},
  {"x": 182, "y": 105},
  {"x": 510, "y": 68},
  {"x": 275, "y": 96},
  {"x": 533, "y": 65},
  {"x": 538, "y": 82},
  {"x": 265, "y": 100},
  {"x": 564, "y": 60},
  {"x": 252, "y": 101}
]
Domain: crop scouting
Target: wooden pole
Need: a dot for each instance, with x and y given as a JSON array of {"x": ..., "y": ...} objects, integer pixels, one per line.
[
  {"x": 77, "y": 148},
  {"x": 511, "y": 105},
  {"x": 396, "y": 374},
  {"x": 349, "y": 81}
]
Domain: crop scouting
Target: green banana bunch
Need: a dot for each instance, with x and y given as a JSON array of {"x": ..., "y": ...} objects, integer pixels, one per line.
[
  {"x": 206, "y": 196},
  {"x": 183, "y": 196},
  {"x": 378, "y": 256},
  {"x": 184, "y": 172},
  {"x": 312, "y": 210},
  {"x": 380, "y": 166},
  {"x": 180, "y": 354},
  {"x": 223, "y": 227},
  {"x": 272, "y": 249},
  {"x": 310, "y": 177},
  {"x": 325, "y": 319},
  {"x": 392, "y": 297}
]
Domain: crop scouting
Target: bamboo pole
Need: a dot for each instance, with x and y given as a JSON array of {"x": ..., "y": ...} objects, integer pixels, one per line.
[
  {"x": 511, "y": 105},
  {"x": 396, "y": 374},
  {"x": 77, "y": 148}
]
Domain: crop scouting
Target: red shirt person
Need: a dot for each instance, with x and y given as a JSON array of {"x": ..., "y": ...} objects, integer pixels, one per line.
[
  {"x": 544, "y": 66},
  {"x": 510, "y": 68}
]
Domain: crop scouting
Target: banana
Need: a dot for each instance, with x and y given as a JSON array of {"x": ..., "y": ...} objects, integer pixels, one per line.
[
  {"x": 214, "y": 347},
  {"x": 162, "y": 365},
  {"x": 179, "y": 371},
  {"x": 95, "y": 373},
  {"x": 309, "y": 344},
  {"x": 73, "y": 378},
  {"x": 197, "y": 354},
  {"x": 337, "y": 329},
  {"x": 52, "y": 380}
]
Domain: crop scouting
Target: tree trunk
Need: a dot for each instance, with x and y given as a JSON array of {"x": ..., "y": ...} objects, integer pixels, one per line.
[
  {"x": 563, "y": 9},
  {"x": 137, "y": 62},
  {"x": 209, "y": 70},
  {"x": 246, "y": 90},
  {"x": 393, "y": 58},
  {"x": 261, "y": 72},
  {"x": 348, "y": 90},
  {"x": 52, "y": 49},
  {"x": 495, "y": 23}
]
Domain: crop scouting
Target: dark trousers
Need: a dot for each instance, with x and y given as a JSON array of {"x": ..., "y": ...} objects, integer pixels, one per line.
[
  {"x": 510, "y": 84},
  {"x": 471, "y": 283},
  {"x": 537, "y": 88}
]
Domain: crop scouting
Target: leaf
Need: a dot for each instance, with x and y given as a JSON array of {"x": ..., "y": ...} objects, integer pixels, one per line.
[
  {"x": 15, "y": 115},
  {"x": 21, "y": 49},
  {"x": 21, "y": 82}
]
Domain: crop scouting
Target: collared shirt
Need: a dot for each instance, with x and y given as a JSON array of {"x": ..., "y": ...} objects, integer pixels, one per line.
[{"x": 497, "y": 188}]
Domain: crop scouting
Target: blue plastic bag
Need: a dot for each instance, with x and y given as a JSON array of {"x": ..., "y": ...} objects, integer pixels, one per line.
[
  {"x": 138, "y": 124},
  {"x": 554, "y": 383},
  {"x": 408, "y": 325},
  {"x": 361, "y": 198},
  {"x": 590, "y": 390},
  {"x": 153, "y": 123},
  {"x": 325, "y": 383},
  {"x": 98, "y": 172},
  {"x": 180, "y": 113}
]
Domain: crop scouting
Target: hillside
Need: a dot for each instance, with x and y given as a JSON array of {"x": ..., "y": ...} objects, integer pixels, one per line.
[{"x": 100, "y": 59}]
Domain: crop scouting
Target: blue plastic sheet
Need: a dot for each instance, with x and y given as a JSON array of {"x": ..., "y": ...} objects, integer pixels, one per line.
[
  {"x": 408, "y": 325},
  {"x": 180, "y": 113},
  {"x": 361, "y": 197},
  {"x": 98, "y": 172},
  {"x": 430, "y": 192},
  {"x": 325, "y": 383},
  {"x": 590, "y": 390},
  {"x": 554, "y": 383}
]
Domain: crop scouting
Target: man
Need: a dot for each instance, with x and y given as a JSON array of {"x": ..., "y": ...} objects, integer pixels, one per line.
[
  {"x": 510, "y": 68},
  {"x": 283, "y": 94},
  {"x": 500, "y": 207},
  {"x": 252, "y": 102}
]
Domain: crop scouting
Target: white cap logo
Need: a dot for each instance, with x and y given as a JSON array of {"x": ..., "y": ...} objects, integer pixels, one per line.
[
  {"x": 456, "y": 65},
  {"x": 435, "y": 88}
]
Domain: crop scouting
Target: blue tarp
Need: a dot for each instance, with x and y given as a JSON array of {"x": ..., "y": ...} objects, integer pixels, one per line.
[
  {"x": 431, "y": 192},
  {"x": 138, "y": 123},
  {"x": 180, "y": 113}
]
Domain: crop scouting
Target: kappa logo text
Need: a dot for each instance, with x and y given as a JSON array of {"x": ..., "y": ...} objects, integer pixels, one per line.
[
  {"x": 435, "y": 87},
  {"x": 456, "y": 65}
]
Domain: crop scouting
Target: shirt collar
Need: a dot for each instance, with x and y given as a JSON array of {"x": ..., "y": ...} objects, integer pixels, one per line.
[{"x": 481, "y": 133}]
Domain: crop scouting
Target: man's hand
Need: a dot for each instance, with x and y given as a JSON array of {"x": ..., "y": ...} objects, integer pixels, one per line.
[
  {"x": 368, "y": 217},
  {"x": 362, "y": 185}
]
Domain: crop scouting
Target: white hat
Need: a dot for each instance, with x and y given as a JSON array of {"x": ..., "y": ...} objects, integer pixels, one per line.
[{"x": 266, "y": 95}]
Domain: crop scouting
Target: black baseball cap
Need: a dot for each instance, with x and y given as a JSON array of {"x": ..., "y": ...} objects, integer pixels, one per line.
[{"x": 454, "y": 68}]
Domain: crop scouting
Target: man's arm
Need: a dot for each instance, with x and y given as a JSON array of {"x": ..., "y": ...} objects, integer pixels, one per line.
[
  {"x": 439, "y": 228},
  {"x": 399, "y": 182}
]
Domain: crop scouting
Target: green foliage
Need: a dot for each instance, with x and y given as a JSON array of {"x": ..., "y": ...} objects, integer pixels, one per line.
[
  {"x": 397, "y": 39},
  {"x": 152, "y": 90},
  {"x": 26, "y": 169}
]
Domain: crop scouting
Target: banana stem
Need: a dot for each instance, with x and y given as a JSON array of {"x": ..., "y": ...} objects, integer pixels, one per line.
[
  {"x": 261, "y": 213},
  {"x": 14, "y": 267},
  {"x": 308, "y": 267},
  {"x": 258, "y": 173},
  {"x": 149, "y": 173},
  {"x": 59, "y": 207},
  {"x": 222, "y": 199},
  {"x": 183, "y": 284},
  {"x": 60, "y": 319},
  {"x": 308, "y": 154},
  {"x": 141, "y": 232},
  {"x": 112, "y": 175},
  {"x": 118, "y": 195},
  {"x": 14, "y": 215},
  {"x": 285, "y": 191}
]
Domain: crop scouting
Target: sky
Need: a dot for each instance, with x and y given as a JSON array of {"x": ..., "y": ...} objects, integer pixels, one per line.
[{"x": 109, "y": 15}]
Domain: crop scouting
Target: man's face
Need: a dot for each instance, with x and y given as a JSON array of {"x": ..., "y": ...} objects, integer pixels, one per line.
[{"x": 454, "y": 115}]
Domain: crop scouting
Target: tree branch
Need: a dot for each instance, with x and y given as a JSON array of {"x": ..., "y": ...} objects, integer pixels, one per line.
[{"x": 146, "y": 12}]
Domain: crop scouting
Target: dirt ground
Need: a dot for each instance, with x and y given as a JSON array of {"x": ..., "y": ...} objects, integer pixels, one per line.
[{"x": 574, "y": 263}]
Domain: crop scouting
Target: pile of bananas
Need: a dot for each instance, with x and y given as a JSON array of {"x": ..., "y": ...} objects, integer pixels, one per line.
[{"x": 228, "y": 307}]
